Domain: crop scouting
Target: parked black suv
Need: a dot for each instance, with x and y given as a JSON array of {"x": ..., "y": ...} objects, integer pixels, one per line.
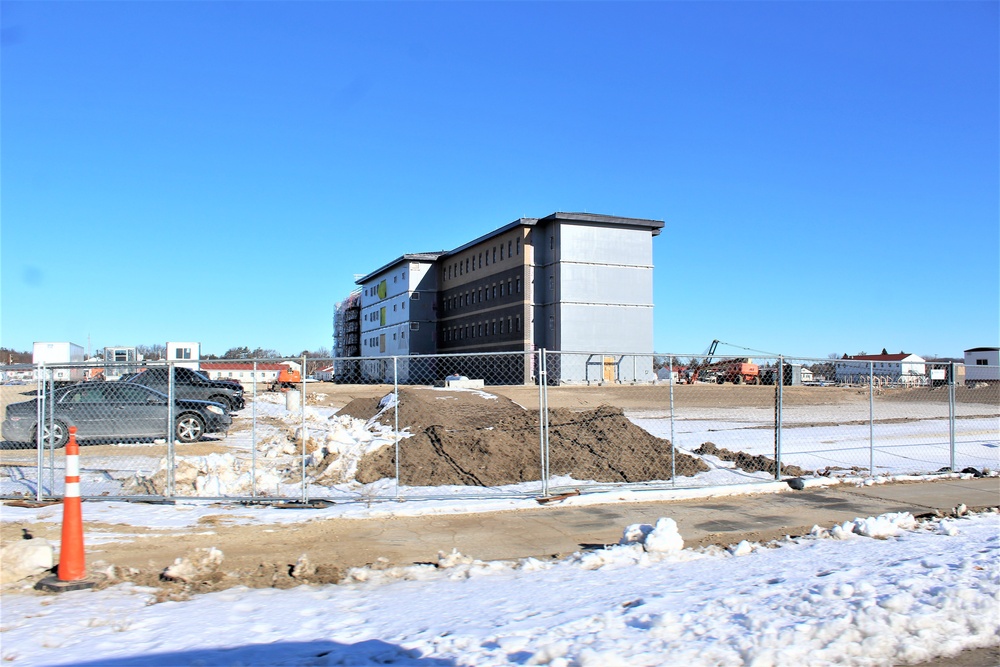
[{"x": 190, "y": 384}]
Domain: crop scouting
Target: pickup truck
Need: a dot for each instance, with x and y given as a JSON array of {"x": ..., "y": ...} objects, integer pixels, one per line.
[{"x": 190, "y": 384}]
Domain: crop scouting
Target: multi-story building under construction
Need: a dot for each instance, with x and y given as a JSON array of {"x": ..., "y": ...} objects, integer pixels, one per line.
[{"x": 570, "y": 282}]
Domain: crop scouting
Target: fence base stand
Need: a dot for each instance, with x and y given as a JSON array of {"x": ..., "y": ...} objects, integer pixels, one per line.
[
  {"x": 54, "y": 584},
  {"x": 544, "y": 500}
]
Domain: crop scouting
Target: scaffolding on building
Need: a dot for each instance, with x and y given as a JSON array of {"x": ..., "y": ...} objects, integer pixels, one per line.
[{"x": 347, "y": 337}]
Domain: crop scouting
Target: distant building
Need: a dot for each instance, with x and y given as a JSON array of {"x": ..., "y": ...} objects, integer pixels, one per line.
[
  {"x": 184, "y": 354},
  {"x": 982, "y": 364},
  {"x": 245, "y": 372},
  {"x": 325, "y": 374},
  {"x": 570, "y": 282},
  {"x": 902, "y": 367},
  {"x": 120, "y": 360}
]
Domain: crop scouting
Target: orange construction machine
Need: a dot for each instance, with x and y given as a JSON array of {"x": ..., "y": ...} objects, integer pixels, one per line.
[
  {"x": 737, "y": 371},
  {"x": 287, "y": 379}
]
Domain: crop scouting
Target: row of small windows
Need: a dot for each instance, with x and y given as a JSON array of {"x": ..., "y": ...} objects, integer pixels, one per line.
[
  {"x": 481, "y": 329},
  {"x": 373, "y": 290},
  {"x": 476, "y": 261},
  {"x": 376, "y": 315},
  {"x": 374, "y": 341},
  {"x": 482, "y": 294}
]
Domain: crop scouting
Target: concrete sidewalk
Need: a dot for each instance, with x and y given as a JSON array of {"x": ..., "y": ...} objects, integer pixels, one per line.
[{"x": 554, "y": 530}]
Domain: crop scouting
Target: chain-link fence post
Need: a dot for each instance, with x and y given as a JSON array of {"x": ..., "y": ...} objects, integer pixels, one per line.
[
  {"x": 302, "y": 433},
  {"x": 779, "y": 391},
  {"x": 253, "y": 434},
  {"x": 673, "y": 446},
  {"x": 395, "y": 410},
  {"x": 171, "y": 452},
  {"x": 871, "y": 418},
  {"x": 51, "y": 405},
  {"x": 951, "y": 413},
  {"x": 543, "y": 422}
]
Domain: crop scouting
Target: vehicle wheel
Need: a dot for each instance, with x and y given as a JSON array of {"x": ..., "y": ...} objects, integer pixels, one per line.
[
  {"x": 738, "y": 379},
  {"x": 59, "y": 432},
  {"x": 190, "y": 428},
  {"x": 720, "y": 380},
  {"x": 754, "y": 380},
  {"x": 225, "y": 402}
]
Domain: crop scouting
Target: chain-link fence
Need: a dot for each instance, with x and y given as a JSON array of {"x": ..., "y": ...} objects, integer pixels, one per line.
[{"x": 487, "y": 425}]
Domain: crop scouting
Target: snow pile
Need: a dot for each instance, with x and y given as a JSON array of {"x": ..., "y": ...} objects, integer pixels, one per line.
[
  {"x": 662, "y": 538},
  {"x": 209, "y": 476},
  {"x": 199, "y": 566},
  {"x": 20, "y": 559},
  {"x": 886, "y": 525}
]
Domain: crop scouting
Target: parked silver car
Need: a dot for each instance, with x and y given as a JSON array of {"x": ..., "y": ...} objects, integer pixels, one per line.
[{"x": 113, "y": 411}]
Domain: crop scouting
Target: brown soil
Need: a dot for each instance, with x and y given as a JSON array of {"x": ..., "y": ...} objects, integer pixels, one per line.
[
  {"x": 462, "y": 438},
  {"x": 749, "y": 462}
]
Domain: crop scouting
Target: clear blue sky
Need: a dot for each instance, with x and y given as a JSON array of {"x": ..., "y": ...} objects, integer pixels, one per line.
[{"x": 829, "y": 172}]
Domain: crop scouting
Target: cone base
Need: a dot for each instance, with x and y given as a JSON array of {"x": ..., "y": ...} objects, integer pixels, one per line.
[{"x": 56, "y": 585}]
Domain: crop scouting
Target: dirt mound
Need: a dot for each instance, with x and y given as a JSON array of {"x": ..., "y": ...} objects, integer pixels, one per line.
[
  {"x": 748, "y": 462},
  {"x": 477, "y": 439}
]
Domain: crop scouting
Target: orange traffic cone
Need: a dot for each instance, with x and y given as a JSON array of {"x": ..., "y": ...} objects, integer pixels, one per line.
[{"x": 72, "y": 569}]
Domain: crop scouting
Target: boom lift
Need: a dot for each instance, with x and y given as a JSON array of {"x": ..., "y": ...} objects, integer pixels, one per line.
[{"x": 736, "y": 371}]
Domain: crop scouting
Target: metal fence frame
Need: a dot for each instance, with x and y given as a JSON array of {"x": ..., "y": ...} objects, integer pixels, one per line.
[{"x": 547, "y": 368}]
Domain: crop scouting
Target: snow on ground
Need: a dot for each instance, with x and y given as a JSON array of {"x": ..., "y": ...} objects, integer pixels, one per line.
[
  {"x": 900, "y": 448},
  {"x": 883, "y": 590}
]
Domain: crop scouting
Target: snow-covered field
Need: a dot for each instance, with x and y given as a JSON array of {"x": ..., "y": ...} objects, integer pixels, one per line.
[
  {"x": 263, "y": 455},
  {"x": 876, "y": 591}
]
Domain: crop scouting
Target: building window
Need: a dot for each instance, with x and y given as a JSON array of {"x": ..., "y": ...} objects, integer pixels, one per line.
[
  {"x": 414, "y": 326},
  {"x": 466, "y": 264},
  {"x": 480, "y": 260},
  {"x": 552, "y": 283},
  {"x": 494, "y": 254},
  {"x": 509, "y": 253},
  {"x": 394, "y": 279},
  {"x": 518, "y": 245},
  {"x": 493, "y": 328},
  {"x": 552, "y": 323},
  {"x": 415, "y": 296},
  {"x": 517, "y": 284},
  {"x": 982, "y": 362},
  {"x": 517, "y": 323},
  {"x": 552, "y": 242},
  {"x": 501, "y": 252}
]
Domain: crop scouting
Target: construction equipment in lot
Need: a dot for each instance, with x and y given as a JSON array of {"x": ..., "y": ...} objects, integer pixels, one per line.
[
  {"x": 738, "y": 371},
  {"x": 287, "y": 379}
]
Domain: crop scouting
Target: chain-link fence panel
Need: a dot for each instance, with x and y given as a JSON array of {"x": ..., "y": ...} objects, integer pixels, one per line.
[
  {"x": 22, "y": 460},
  {"x": 725, "y": 414},
  {"x": 125, "y": 430},
  {"x": 977, "y": 416},
  {"x": 825, "y": 424},
  {"x": 607, "y": 423},
  {"x": 459, "y": 432},
  {"x": 911, "y": 418}
]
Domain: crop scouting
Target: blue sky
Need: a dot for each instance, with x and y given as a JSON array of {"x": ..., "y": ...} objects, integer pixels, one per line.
[{"x": 219, "y": 171}]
